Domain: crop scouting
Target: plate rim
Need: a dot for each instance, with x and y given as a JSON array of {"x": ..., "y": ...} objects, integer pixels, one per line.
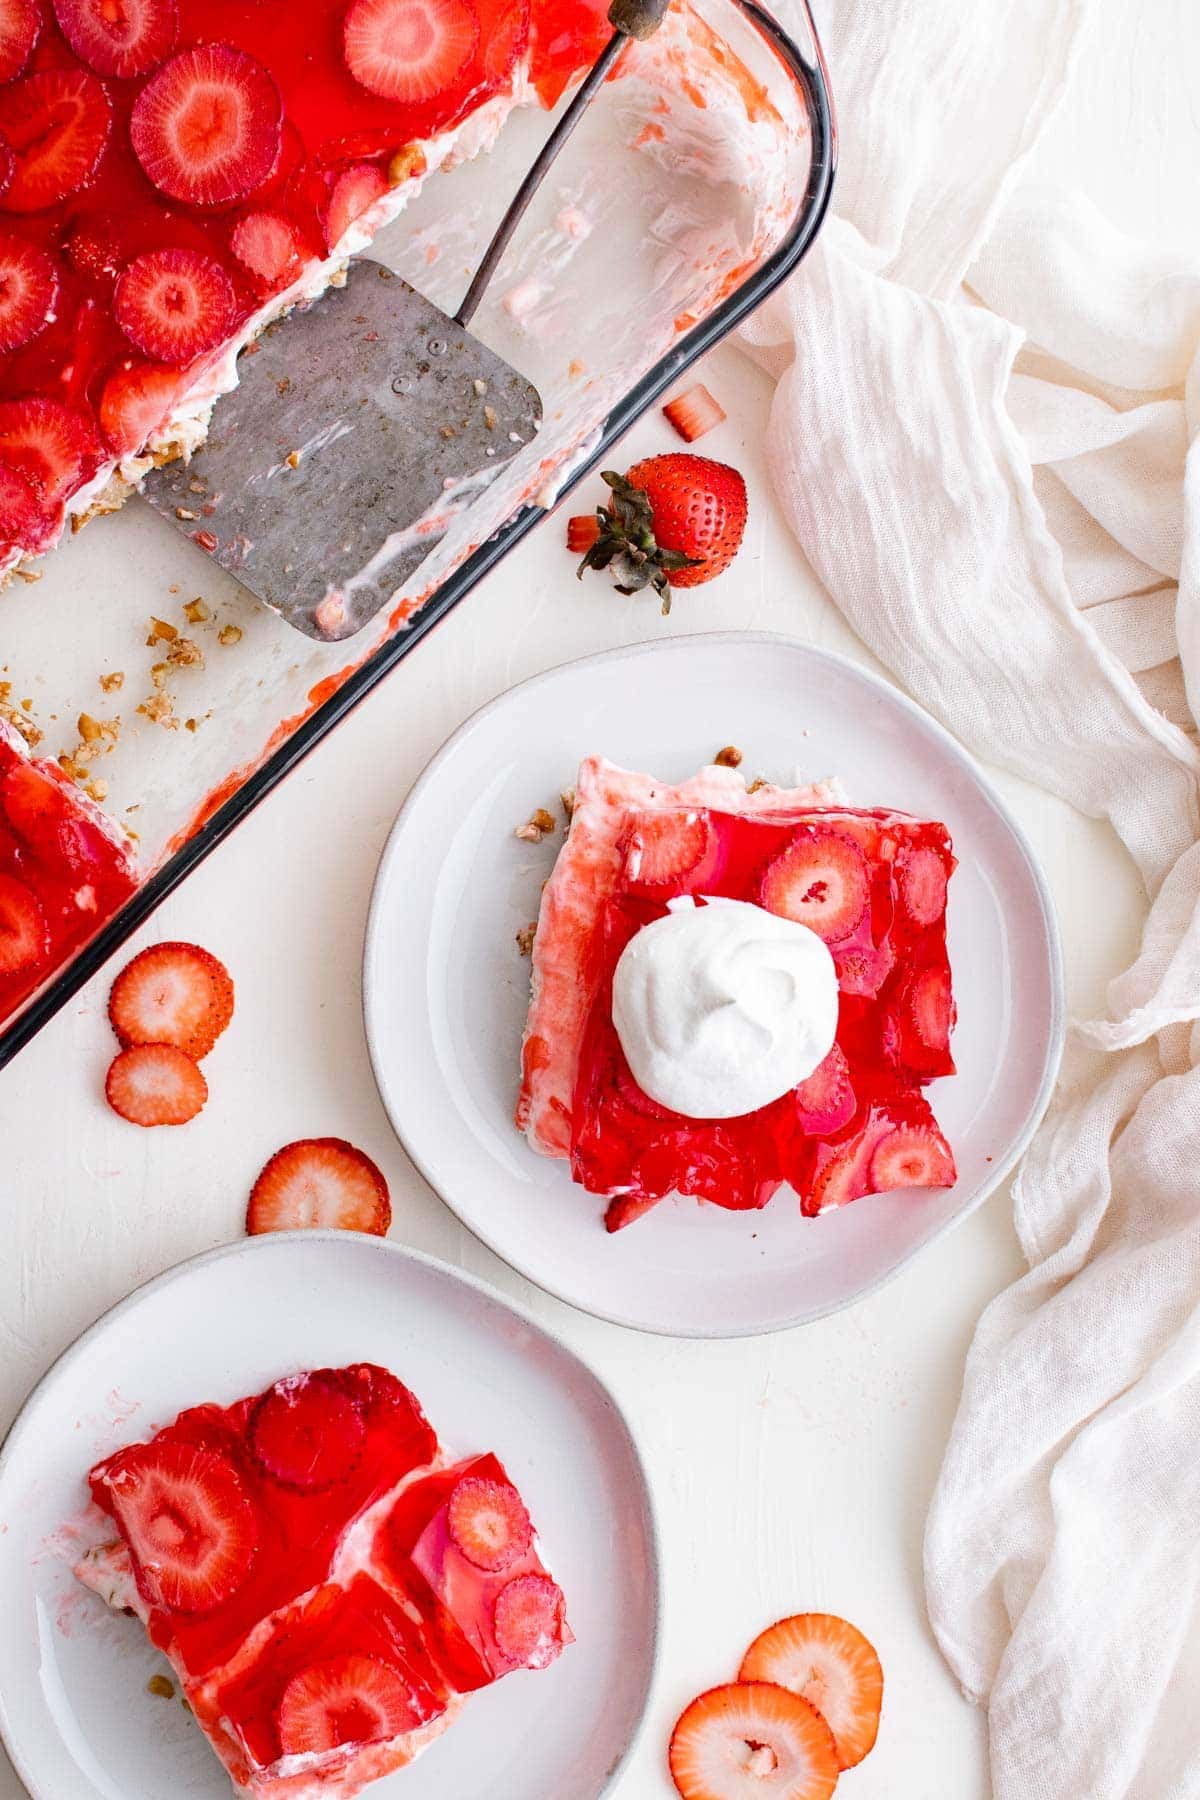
[
  {"x": 374, "y": 935},
  {"x": 26, "y": 1419}
]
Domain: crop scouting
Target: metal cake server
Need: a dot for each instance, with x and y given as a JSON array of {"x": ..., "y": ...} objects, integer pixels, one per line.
[{"x": 360, "y": 424}]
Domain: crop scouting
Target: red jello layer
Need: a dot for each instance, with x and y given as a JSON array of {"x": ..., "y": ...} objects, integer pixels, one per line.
[
  {"x": 887, "y": 936},
  {"x": 86, "y": 190}
]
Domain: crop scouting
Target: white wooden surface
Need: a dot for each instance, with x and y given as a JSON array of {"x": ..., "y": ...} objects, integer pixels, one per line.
[{"x": 791, "y": 1472}]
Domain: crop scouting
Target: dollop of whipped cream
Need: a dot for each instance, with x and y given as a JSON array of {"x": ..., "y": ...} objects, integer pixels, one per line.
[{"x": 721, "y": 1008}]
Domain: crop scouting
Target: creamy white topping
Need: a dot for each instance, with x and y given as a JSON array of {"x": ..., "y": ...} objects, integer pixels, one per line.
[{"x": 721, "y": 1008}]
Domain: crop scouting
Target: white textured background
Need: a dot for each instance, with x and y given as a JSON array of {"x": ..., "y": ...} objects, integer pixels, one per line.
[{"x": 793, "y": 1472}]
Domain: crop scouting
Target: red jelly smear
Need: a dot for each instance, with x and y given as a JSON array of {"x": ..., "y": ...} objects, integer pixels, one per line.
[
  {"x": 93, "y": 179},
  {"x": 873, "y": 883},
  {"x": 62, "y": 872}
]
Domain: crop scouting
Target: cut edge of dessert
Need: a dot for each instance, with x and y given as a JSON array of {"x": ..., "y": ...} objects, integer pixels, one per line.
[
  {"x": 326, "y": 1584},
  {"x": 870, "y": 883}
]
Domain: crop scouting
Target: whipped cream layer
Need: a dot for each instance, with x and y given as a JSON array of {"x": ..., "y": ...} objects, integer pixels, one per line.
[{"x": 723, "y": 1007}]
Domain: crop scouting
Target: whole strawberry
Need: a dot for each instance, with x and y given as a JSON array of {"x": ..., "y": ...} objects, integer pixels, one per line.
[{"x": 673, "y": 521}]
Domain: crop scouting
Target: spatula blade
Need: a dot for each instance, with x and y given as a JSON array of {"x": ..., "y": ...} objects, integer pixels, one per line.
[{"x": 333, "y": 468}]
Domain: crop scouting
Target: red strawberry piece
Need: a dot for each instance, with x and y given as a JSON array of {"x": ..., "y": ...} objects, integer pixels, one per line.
[
  {"x": 28, "y": 291},
  {"x": 582, "y": 532},
  {"x": 349, "y": 1699},
  {"x": 846, "y": 1174},
  {"x": 136, "y": 402},
  {"x": 188, "y": 1523},
  {"x": 528, "y": 1621},
  {"x": 488, "y": 1522},
  {"x": 409, "y": 49},
  {"x": 22, "y": 520},
  {"x": 37, "y": 808},
  {"x": 752, "y": 1737},
  {"x": 912, "y": 1156},
  {"x": 174, "y": 304},
  {"x": 320, "y": 1183},
  {"x": 307, "y": 1432},
  {"x": 821, "y": 881},
  {"x": 265, "y": 243},
  {"x": 51, "y": 444},
  {"x": 96, "y": 248},
  {"x": 57, "y": 122},
  {"x": 922, "y": 1022},
  {"x": 24, "y": 940},
  {"x": 665, "y": 848},
  {"x": 119, "y": 37},
  {"x": 354, "y": 192},
  {"x": 694, "y": 413},
  {"x": 20, "y": 27},
  {"x": 627, "y": 1209},
  {"x": 172, "y": 994},
  {"x": 825, "y": 1102},
  {"x": 155, "y": 1084},
  {"x": 208, "y": 126},
  {"x": 506, "y": 42},
  {"x": 922, "y": 877},
  {"x": 8, "y": 162},
  {"x": 863, "y": 968},
  {"x": 831, "y": 1665},
  {"x": 673, "y": 521}
]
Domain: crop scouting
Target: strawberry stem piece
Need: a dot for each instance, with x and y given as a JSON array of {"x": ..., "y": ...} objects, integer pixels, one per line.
[{"x": 626, "y": 543}]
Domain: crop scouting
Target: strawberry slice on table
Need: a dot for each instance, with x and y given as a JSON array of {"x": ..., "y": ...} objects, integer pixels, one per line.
[
  {"x": 830, "y": 1664},
  {"x": 135, "y": 403},
  {"x": 57, "y": 123},
  {"x": 409, "y": 50},
  {"x": 665, "y": 848},
  {"x": 172, "y": 994},
  {"x": 208, "y": 125},
  {"x": 28, "y": 291},
  {"x": 155, "y": 1084},
  {"x": 20, "y": 28},
  {"x": 348, "y": 1699},
  {"x": 48, "y": 442},
  {"x": 694, "y": 413},
  {"x": 752, "y": 1738},
  {"x": 22, "y": 520},
  {"x": 190, "y": 1527},
  {"x": 24, "y": 939},
  {"x": 528, "y": 1621},
  {"x": 320, "y": 1182},
  {"x": 912, "y": 1156},
  {"x": 354, "y": 192},
  {"x": 488, "y": 1522},
  {"x": 307, "y": 1432},
  {"x": 673, "y": 521},
  {"x": 821, "y": 881},
  {"x": 119, "y": 37},
  {"x": 265, "y": 243},
  {"x": 174, "y": 304}
]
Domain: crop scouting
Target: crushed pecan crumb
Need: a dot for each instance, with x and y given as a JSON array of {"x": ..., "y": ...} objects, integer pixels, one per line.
[
  {"x": 110, "y": 683},
  {"x": 186, "y": 653},
  {"x": 69, "y": 766},
  {"x": 158, "y": 675},
  {"x": 197, "y": 611},
  {"x": 161, "y": 1687},
  {"x": 535, "y": 827},
  {"x": 567, "y": 798},
  {"x": 88, "y": 728},
  {"x": 728, "y": 758},
  {"x": 158, "y": 709},
  {"x": 292, "y": 459},
  {"x": 756, "y": 784},
  {"x": 491, "y": 418},
  {"x": 229, "y": 634},
  {"x": 29, "y": 574},
  {"x": 525, "y": 937},
  {"x": 191, "y": 724},
  {"x": 96, "y": 788},
  {"x": 161, "y": 631}
]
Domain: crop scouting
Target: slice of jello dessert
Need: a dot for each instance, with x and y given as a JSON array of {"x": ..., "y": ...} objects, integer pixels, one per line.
[
  {"x": 736, "y": 989},
  {"x": 325, "y": 1584}
]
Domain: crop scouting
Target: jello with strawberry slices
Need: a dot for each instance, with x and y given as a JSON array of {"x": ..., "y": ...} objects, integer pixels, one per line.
[
  {"x": 326, "y": 1585},
  {"x": 64, "y": 870},
  {"x": 870, "y": 883},
  {"x": 175, "y": 172}
]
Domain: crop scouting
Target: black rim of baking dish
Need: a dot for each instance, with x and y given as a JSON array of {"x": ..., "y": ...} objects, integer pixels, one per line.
[{"x": 725, "y": 317}]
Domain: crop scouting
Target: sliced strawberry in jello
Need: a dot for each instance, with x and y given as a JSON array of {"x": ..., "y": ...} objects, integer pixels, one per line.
[
  {"x": 665, "y": 849},
  {"x": 409, "y": 49},
  {"x": 862, "y": 968},
  {"x": 265, "y": 243},
  {"x": 57, "y": 123},
  {"x": 528, "y": 1621},
  {"x": 825, "y": 1102},
  {"x": 308, "y": 1432},
  {"x": 50, "y": 443},
  {"x": 28, "y": 291},
  {"x": 208, "y": 126},
  {"x": 188, "y": 1521},
  {"x": 119, "y": 37},
  {"x": 174, "y": 304},
  {"x": 921, "y": 875},
  {"x": 8, "y": 163},
  {"x": 22, "y": 518},
  {"x": 917, "y": 1031},
  {"x": 20, "y": 26},
  {"x": 488, "y": 1522},
  {"x": 820, "y": 881},
  {"x": 355, "y": 192},
  {"x": 350, "y": 1699},
  {"x": 136, "y": 403},
  {"x": 912, "y": 1156},
  {"x": 24, "y": 939}
]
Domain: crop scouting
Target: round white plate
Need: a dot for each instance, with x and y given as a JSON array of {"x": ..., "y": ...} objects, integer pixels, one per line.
[
  {"x": 74, "y": 1709},
  {"x": 445, "y": 990}
]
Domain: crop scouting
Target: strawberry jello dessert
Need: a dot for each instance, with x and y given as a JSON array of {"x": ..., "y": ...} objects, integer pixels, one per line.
[
  {"x": 326, "y": 1584},
  {"x": 175, "y": 173},
  {"x": 735, "y": 989}
]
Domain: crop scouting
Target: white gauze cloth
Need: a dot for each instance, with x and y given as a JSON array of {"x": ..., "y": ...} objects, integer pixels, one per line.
[{"x": 984, "y": 435}]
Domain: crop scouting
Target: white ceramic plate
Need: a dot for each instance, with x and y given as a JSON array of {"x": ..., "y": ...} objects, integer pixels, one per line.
[
  {"x": 74, "y": 1709},
  {"x": 445, "y": 990}
]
